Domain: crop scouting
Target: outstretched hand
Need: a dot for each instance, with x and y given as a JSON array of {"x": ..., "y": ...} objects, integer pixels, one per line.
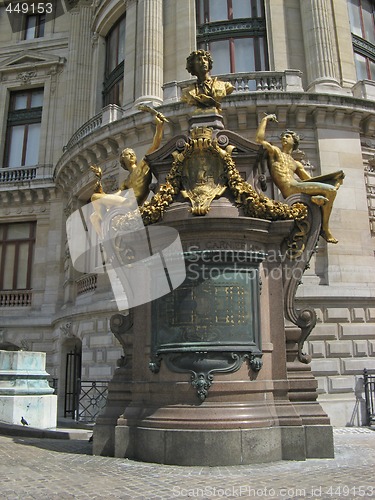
[
  {"x": 97, "y": 171},
  {"x": 271, "y": 118},
  {"x": 159, "y": 117}
]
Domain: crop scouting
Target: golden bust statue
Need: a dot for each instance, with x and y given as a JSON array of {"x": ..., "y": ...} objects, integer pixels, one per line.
[
  {"x": 207, "y": 92},
  {"x": 284, "y": 167}
]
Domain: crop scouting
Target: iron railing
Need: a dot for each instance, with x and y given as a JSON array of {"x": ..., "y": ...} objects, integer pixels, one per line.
[
  {"x": 92, "y": 398},
  {"x": 369, "y": 386}
]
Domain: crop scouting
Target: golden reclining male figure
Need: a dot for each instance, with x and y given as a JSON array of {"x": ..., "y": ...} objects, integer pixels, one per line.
[{"x": 283, "y": 167}]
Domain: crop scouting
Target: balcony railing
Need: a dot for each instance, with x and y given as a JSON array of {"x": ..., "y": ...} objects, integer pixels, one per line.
[
  {"x": 87, "y": 283},
  {"x": 17, "y": 174},
  {"x": 15, "y": 298},
  {"x": 86, "y": 129},
  {"x": 265, "y": 81},
  {"x": 42, "y": 172},
  {"x": 258, "y": 81}
]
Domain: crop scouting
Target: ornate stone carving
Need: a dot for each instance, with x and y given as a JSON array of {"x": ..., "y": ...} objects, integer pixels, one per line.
[
  {"x": 26, "y": 76},
  {"x": 66, "y": 330}
]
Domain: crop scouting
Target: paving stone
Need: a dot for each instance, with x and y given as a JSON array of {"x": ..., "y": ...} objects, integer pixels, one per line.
[{"x": 47, "y": 469}]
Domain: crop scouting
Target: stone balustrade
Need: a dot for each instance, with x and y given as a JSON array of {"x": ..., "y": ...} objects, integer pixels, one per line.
[
  {"x": 15, "y": 298},
  {"x": 94, "y": 123},
  {"x": 86, "y": 283},
  {"x": 17, "y": 174},
  {"x": 257, "y": 81}
]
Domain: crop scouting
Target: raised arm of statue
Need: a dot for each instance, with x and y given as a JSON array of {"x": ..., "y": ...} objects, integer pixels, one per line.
[
  {"x": 139, "y": 177},
  {"x": 261, "y": 134}
]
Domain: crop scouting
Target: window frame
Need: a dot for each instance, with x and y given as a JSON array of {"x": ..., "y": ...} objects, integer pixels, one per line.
[
  {"x": 39, "y": 29},
  {"x": 5, "y": 242},
  {"x": 114, "y": 78},
  {"x": 232, "y": 29},
  {"x": 361, "y": 45},
  {"x": 18, "y": 117}
]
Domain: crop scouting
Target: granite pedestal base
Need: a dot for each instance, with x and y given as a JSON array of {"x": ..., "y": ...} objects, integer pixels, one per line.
[
  {"x": 224, "y": 447},
  {"x": 213, "y": 377}
]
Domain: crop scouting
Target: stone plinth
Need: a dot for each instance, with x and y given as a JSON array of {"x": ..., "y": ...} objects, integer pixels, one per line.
[{"x": 24, "y": 390}]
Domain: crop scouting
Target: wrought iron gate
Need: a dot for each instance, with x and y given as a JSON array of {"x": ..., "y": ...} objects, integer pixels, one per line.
[
  {"x": 72, "y": 383},
  {"x": 369, "y": 384}
]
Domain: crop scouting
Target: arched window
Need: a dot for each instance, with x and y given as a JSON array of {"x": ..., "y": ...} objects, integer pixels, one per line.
[
  {"x": 234, "y": 31},
  {"x": 361, "y": 14},
  {"x": 114, "y": 66}
]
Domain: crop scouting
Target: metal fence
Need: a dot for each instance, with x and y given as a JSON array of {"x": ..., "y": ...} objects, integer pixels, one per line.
[
  {"x": 89, "y": 398},
  {"x": 369, "y": 386},
  {"x": 92, "y": 398}
]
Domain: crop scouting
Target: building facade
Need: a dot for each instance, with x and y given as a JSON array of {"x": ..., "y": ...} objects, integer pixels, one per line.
[{"x": 71, "y": 78}]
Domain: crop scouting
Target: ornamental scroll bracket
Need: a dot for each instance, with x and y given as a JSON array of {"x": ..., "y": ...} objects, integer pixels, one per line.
[
  {"x": 203, "y": 365},
  {"x": 298, "y": 249}
]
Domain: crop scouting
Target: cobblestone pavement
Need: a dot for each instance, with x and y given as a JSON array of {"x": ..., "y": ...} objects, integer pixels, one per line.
[{"x": 32, "y": 468}]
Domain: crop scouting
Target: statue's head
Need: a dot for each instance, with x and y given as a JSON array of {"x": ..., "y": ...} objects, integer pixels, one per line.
[
  {"x": 196, "y": 57},
  {"x": 294, "y": 136},
  {"x": 128, "y": 158}
]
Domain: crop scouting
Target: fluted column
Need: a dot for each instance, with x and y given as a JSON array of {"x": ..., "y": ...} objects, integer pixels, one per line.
[
  {"x": 79, "y": 69},
  {"x": 319, "y": 43},
  {"x": 149, "y": 72}
]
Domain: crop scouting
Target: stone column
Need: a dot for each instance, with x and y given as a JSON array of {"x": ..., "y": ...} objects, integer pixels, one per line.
[
  {"x": 180, "y": 30},
  {"x": 149, "y": 70},
  {"x": 276, "y": 34},
  {"x": 78, "y": 80},
  {"x": 320, "y": 49}
]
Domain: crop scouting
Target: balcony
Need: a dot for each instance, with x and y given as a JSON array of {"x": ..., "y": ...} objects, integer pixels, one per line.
[
  {"x": 15, "y": 298},
  {"x": 86, "y": 284},
  {"x": 25, "y": 174},
  {"x": 258, "y": 81},
  {"x": 100, "y": 139}
]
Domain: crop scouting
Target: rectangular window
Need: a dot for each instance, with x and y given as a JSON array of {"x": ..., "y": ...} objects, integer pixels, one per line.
[
  {"x": 16, "y": 255},
  {"x": 362, "y": 25},
  {"x": 238, "y": 55},
  {"x": 34, "y": 26},
  {"x": 23, "y": 130},
  {"x": 234, "y": 31},
  {"x": 114, "y": 65},
  {"x": 209, "y": 11}
]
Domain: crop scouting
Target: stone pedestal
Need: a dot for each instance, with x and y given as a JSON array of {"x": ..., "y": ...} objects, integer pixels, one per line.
[
  {"x": 219, "y": 400},
  {"x": 24, "y": 390},
  {"x": 213, "y": 372}
]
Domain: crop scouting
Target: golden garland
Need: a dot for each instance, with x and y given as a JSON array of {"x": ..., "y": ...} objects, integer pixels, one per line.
[
  {"x": 258, "y": 205},
  {"x": 253, "y": 204}
]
